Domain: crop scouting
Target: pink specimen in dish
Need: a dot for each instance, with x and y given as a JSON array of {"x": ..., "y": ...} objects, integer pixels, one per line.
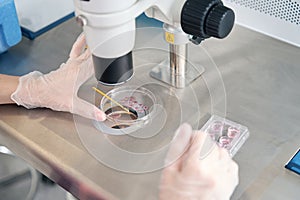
[
  {"x": 115, "y": 116},
  {"x": 216, "y": 127},
  {"x": 233, "y": 132},
  {"x": 131, "y": 102},
  {"x": 224, "y": 141}
]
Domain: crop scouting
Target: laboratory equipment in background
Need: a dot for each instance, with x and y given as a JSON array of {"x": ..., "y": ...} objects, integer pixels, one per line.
[
  {"x": 37, "y": 17},
  {"x": 10, "y": 33},
  {"x": 109, "y": 27},
  {"x": 278, "y": 19}
]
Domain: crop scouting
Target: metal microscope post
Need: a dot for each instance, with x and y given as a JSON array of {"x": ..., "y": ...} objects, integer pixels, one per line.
[
  {"x": 178, "y": 64},
  {"x": 177, "y": 70}
]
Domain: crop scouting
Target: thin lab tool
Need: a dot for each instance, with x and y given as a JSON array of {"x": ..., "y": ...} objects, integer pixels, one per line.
[{"x": 115, "y": 102}]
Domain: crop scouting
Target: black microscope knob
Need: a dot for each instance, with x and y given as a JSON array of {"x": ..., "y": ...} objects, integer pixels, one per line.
[
  {"x": 206, "y": 18},
  {"x": 219, "y": 21}
]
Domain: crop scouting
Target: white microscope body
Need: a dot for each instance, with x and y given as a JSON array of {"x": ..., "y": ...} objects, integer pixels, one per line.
[{"x": 109, "y": 28}]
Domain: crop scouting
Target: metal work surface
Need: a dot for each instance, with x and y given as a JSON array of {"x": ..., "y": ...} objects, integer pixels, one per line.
[{"x": 255, "y": 83}]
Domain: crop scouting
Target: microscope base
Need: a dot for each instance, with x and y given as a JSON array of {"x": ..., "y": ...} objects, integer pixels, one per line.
[{"x": 163, "y": 73}]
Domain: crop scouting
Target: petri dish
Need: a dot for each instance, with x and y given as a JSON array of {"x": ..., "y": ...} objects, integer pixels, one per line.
[
  {"x": 138, "y": 100},
  {"x": 226, "y": 133}
]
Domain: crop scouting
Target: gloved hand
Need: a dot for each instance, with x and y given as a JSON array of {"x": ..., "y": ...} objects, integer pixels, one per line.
[
  {"x": 213, "y": 175},
  {"x": 58, "y": 89}
]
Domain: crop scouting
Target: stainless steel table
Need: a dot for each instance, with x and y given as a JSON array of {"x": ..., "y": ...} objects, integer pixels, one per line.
[{"x": 255, "y": 83}]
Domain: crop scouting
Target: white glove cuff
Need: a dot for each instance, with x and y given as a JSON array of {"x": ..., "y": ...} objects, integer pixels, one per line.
[{"x": 22, "y": 95}]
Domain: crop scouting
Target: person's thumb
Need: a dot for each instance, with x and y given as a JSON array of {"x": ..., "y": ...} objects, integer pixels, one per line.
[
  {"x": 78, "y": 47},
  {"x": 179, "y": 146},
  {"x": 87, "y": 110}
]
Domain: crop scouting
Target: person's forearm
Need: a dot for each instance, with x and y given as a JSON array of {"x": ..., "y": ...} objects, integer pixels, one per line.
[{"x": 8, "y": 85}]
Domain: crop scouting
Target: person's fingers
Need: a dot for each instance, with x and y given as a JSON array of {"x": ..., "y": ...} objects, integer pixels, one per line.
[
  {"x": 235, "y": 170},
  {"x": 179, "y": 146},
  {"x": 78, "y": 47},
  {"x": 87, "y": 110},
  {"x": 223, "y": 154},
  {"x": 201, "y": 146},
  {"x": 85, "y": 71},
  {"x": 86, "y": 54}
]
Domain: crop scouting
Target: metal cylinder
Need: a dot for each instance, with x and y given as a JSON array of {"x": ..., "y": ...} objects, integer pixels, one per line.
[{"x": 178, "y": 57}]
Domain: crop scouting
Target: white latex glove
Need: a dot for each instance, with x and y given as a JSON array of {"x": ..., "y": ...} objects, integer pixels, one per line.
[
  {"x": 212, "y": 177},
  {"x": 58, "y": 89}
]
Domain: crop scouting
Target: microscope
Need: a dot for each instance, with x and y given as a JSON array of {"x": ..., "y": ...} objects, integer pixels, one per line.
[
  {"x": 109, "y": 26},
  {"x": 155, "y": 110}
]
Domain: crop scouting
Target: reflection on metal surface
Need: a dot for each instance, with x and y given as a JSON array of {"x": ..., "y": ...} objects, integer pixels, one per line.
[{"x": 18, "y": 180}]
